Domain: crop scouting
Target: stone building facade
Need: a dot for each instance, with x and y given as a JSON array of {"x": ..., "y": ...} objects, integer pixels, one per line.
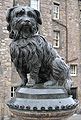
[{"x": 61, "y": 26}]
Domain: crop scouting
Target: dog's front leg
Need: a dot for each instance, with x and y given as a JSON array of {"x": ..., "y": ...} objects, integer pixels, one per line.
[
  {"x": 34, "y": 74},
  {"x": 23, "y": 77}
]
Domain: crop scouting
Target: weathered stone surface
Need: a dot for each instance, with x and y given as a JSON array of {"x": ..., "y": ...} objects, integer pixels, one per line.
[
  {"x": 29, "y": 105},
  {"x": 60, "y": 115}
]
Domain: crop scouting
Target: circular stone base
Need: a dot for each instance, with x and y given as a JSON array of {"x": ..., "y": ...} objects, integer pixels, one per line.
[
  {"x": 42, "y": 104},
  {"x": 42, "y": 115}
]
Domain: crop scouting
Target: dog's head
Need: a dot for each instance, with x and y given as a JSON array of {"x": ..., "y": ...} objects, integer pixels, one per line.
[{"x": 23, "y": 21}]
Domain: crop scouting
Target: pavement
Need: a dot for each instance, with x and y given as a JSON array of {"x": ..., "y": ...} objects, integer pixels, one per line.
[{"x": 75, "y": 117}]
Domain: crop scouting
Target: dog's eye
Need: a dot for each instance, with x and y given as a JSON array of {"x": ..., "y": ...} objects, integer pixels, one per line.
[
  {"x": 20, "y": 13},
  {"x": 30, "y": 14}
]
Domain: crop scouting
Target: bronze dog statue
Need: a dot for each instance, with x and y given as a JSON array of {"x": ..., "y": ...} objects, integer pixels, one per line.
[{"x": 31, "y": 53}]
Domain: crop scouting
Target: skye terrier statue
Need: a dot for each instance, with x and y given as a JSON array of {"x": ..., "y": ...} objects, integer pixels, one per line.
[{"x": 31, "y": 53}]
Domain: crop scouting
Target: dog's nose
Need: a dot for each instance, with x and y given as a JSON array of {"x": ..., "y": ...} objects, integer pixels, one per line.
[{"x": 27, "y": 22}]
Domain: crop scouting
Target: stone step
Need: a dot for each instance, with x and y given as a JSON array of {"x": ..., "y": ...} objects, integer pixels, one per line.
[{"x": 30, "y": 93}]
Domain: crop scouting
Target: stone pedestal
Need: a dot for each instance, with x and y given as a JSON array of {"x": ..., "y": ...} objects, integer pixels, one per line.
[
  {"x": 42, "y": 104},
  {"x": 42, "y": 115}
]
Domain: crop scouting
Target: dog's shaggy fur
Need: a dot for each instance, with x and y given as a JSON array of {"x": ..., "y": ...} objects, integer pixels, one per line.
[{"x": 31, "y": 53}]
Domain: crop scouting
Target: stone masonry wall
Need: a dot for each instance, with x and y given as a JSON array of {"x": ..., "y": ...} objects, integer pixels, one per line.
[
  {"x": 73, "y": 40},
  {"x": 60, "y": 25},
  {"x": 5, "y": 63},
  {"x": 46, "y": 27}
]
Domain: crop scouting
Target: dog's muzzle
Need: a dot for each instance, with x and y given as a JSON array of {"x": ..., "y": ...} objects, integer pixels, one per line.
[
  {"x": 26, "y": 26},
  {"x": 26, "y": 23}
]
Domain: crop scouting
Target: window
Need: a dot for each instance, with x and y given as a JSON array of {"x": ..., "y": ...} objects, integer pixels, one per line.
[
  {"x": 73, "y": 70},
  {"x": 56, "y": 39},
  {"x": 15, "y": 2},
  {"x": 13, "y": 91},
  {"x": 35, "y": 4},
  {"x": 56, "y": 11}
]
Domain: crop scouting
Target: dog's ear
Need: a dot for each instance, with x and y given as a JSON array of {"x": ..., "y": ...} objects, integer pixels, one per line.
[
  {"x": 38, "y": 17},
  {"x": 8, "y": 17}
]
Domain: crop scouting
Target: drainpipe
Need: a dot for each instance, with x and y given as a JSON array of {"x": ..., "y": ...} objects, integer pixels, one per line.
[{"x": 66, "y": 32}]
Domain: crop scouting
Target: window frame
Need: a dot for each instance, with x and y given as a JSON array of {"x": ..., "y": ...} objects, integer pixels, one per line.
[
  {"x": 13, "y": 89},
  {"x": 37, "y": 5},
  {"x": 55, "y": 39},
  {"x": 74, "y": 69},
  {"x": 55, "y": 6}
]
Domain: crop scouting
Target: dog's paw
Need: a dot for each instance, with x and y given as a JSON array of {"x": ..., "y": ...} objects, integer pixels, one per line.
[
  {"x": 23, "y": 84},
  {"x": 50, "y": 83},
  {"x": 31, "y": 81},
  {"x": 30, "y": 85}
]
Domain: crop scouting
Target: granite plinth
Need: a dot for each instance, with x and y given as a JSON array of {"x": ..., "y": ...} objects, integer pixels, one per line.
[{"x": 42, "y": 104}]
